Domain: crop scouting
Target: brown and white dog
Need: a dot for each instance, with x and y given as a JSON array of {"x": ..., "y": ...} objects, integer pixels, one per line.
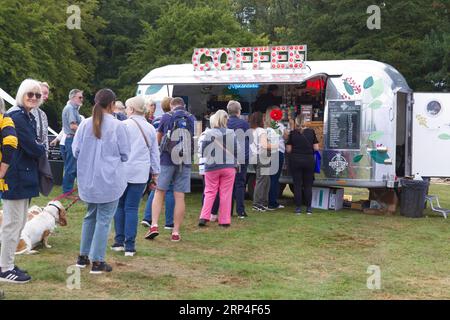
[{"x": 40, "y": 224}]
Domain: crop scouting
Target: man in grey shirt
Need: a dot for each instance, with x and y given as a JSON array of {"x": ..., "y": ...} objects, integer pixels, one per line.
[{"x": 71, "y": 120}]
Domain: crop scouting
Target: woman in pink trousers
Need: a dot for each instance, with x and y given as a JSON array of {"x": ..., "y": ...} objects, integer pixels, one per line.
[{"x": 219, "y": 150}]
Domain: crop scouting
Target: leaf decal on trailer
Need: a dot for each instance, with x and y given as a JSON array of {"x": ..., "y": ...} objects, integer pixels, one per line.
[
  {"x": 377, "y": 88},
  {"x": 444, "y": 136},
  {"x": 377, "y": 104},
  {"x": 368, "y": 83},
  {"x": 376, "y": 135},
  {"x": 349, "y": 88},
  {"x": 379, "y": 157},
  {"x": 358, "y": 158}
]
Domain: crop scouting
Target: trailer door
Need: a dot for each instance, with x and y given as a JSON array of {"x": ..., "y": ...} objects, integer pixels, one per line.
[{"x": 431, "y": 135}]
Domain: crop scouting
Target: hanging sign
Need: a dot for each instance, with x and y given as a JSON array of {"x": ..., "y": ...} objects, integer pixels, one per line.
[{"x": 253, "y": 58}]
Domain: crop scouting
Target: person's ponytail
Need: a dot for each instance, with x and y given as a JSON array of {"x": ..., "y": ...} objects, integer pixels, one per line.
[
  {"x": 103, "y": 99},
  {"x": 97, "y": 119}
]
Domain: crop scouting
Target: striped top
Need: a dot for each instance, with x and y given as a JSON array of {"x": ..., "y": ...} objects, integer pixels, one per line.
[{"x": 8, "y": 139}]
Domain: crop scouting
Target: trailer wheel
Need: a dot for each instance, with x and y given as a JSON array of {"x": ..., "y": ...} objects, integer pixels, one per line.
[{"x": 251, "y": 182}]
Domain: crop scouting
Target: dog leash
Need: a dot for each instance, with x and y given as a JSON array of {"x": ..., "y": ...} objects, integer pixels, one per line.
[
  {"x": 73, "y": 202},
  {"x": 65, "y": 195}
]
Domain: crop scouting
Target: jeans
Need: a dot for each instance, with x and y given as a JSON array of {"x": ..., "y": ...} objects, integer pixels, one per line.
[
  {"x": 261, "y": 192},
  {"x": 275, "y": 184},
  {"x": 170, "y": 206},
  {"x": 126, "y": 217},
  {"x": 239, "y": 191},
  {"x": 62, "y": 148},
  {"x": 95, "y": 230},
  {"x": 70, "y": 167}
]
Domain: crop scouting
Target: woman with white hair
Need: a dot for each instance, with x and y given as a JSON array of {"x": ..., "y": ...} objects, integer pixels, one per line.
[
  {"x": 143, "y": 160},
  {"x": 219, "y": 148},
  {"x": 22, "y": 179}
]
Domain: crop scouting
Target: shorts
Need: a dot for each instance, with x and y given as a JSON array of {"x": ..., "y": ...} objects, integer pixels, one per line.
[{"x": 181, "y": 179}]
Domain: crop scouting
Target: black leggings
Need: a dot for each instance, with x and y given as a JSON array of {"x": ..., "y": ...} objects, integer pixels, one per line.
[{"x": 302, "y": 171}]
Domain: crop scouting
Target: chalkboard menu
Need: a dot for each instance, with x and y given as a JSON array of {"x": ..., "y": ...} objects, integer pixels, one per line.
[{"x": 344, "y": 119}]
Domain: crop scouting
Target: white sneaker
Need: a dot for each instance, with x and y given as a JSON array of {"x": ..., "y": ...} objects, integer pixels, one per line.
[
  {"x": 130, "y": 253},
  {"x": 117, "y": 248}
]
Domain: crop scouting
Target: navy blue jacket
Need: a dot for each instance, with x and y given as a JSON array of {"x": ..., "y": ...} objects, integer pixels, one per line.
[
  {"x": 235, "y": 124},
  {"x": 22, "y": 176}
]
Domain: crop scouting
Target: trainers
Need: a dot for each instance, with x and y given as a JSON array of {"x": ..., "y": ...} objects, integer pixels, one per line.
[
  {"x": 202, "y": 223},
  {"x": 258, "y": 208},
  {"x": 130, "y": 253},
  {"x": 280, "y": 206},
  {"x": 241, "y": 216},
  {"x": 100, "y": 267},
  {"x": 20, "y": 270},
  {"x": 168, "y": 227},
  {"x": 83, "y": 261},
  {"x": 146, "y": 223},
  {"x": 175, "y": 238},
  {"x": 309, "y": 211},
  {"x": 213, "y": 217},
  {"x": 268, "y": 208},
  {"x": 14, "y": 276},
  {"x": 152, "y": 233},
  {"x": 117, "y": 247},
  {"x": 298, "y": 211}
]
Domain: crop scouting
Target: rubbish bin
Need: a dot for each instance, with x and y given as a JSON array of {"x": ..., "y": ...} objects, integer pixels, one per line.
[
  {"x": 57, "y": 167},
  {"x": 412, "y": 197}
]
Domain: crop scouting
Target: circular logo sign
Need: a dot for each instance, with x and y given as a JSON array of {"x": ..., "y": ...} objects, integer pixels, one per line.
[{"x": 434, "y": 108}]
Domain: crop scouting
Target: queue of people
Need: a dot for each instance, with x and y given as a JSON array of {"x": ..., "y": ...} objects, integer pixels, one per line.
[{"x": 126, "y": 150}]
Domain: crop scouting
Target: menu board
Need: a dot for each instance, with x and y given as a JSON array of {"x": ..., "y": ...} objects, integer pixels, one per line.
[{"x": 344, "y": 124}]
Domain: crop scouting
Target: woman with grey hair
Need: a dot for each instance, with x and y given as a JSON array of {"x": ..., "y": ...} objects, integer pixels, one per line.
[
  {"x": 219, "y": 148},
  {"x": 21, "y": 179}
]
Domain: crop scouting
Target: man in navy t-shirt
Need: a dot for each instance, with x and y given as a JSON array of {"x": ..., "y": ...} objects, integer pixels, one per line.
[{"x": 173, "y": 173}]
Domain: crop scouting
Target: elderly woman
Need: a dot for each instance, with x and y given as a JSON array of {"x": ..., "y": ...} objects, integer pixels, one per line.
[
  {"x": 143, "y": 160},
  {"x": 22, "y": 177},
  {"x": 119, "y": 111},
  {"x": 219, "y": 148},
  {"x": 150, "y": 106}
]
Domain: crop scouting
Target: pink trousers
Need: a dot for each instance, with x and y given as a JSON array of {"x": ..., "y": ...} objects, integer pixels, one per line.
[{"x": 219, "y": 181}]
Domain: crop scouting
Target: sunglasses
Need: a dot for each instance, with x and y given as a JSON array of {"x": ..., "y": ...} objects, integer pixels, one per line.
[
  {"x": 81, "y": 98},
  {"x": 30, "y": 95}
]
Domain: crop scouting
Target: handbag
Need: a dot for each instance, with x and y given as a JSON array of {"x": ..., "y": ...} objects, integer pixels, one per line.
[{"x": 45, "y": 175}]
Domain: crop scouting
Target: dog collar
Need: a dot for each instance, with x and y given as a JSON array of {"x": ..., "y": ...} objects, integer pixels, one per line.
[{"x": 54, "y": 205}]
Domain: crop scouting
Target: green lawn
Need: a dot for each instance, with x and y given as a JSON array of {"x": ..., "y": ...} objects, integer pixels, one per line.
[{"x": 267, "y": 256}]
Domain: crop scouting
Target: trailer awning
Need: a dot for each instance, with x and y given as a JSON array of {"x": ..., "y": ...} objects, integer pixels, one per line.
[{"x": 183, "y": 76}]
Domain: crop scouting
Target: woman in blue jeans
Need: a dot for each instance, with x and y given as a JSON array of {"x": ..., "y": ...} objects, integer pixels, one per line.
[
  {"x": 101, "y": 147},
  {"x": 143, "y": 160}
]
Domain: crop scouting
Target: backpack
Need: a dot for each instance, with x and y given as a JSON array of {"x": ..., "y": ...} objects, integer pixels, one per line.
[{"x": 179, "y": 120}]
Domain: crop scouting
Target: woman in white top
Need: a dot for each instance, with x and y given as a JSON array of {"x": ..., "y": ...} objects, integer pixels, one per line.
[
  {"x": 261, "y": 149},
  {"x": 143, "y": 161},
  {"x": 279, "y": 136}
]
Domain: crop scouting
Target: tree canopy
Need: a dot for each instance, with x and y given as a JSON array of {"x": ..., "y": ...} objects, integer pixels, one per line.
[{"x": 121, "y": 40}]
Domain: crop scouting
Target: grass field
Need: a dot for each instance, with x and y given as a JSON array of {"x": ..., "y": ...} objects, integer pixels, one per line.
[{"x": 267, "y": 256}]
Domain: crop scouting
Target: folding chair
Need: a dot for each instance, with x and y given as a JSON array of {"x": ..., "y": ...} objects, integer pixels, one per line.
[{"x": 438, "y": 208}]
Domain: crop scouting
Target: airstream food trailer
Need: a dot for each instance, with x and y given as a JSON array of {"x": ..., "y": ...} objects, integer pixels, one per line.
[{"x": 361, "y": 110}]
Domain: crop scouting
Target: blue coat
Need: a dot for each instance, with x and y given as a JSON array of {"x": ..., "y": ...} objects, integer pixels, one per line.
[{"x": 22, "y": 176}]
